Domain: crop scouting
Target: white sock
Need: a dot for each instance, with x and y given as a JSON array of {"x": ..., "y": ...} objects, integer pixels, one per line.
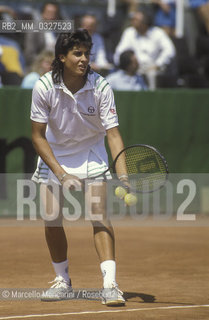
[
  {"x": 108, "y": 269},
  {"x": 61, "y": 269}
]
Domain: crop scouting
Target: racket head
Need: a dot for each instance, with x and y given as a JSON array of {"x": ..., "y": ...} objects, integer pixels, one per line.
[{"x": 147, "y": 169}]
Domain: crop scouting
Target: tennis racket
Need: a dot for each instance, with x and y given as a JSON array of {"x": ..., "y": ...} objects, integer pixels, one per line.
[{"x": 140, "y": 168}]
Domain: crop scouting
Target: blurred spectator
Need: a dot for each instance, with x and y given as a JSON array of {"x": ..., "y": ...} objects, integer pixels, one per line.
[
  {"x": 112, "y": 6},
  {"x": 154, "y": 49},
  {"x": 114, "y": 21},
  {"x": 98, "y": 58},
  {"x": 35, "y": 42},
  {"x": 41, "y": 65},
  {"x": 202, "y": 9},
  {"x": 9, "y": 14},
  {"x": 165, "y": 15},
  {"x": 126, "y": 78},
  {"x": 6, "y": 11},
  {"x": 12, "y": 63}
]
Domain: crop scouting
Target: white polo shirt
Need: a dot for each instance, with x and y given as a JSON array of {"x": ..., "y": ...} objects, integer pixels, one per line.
[{"x": 75, "y": 122}]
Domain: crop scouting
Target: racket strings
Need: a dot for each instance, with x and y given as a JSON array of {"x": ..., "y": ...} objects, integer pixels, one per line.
[{"x": 145, "y": 167}]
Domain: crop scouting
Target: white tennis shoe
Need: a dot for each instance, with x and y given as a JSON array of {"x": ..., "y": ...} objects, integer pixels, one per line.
[
  {"x": 60, "y": 290},
  {"x": 112, "y": 296}
]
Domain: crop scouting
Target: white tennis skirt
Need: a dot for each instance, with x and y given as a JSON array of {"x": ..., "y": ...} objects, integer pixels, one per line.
[{"x": 87, "y": 164}]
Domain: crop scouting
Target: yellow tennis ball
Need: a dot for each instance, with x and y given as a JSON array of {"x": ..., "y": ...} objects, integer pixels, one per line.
[
  {"x": 120, "y": 192},
  {"x": 130, "y": 199}
]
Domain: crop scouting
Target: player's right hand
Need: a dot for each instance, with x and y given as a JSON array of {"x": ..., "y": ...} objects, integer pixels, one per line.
[{"x": 71, "y": 182}]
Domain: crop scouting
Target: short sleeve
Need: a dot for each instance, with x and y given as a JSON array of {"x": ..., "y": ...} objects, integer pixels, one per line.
[
  {"x": 39, "y": 106},
  {"x": 108, "y": 113}
]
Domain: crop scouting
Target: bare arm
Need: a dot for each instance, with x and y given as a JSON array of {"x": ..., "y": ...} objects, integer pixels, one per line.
[
  {"x": 44, "y": 150},
  {"x": 116, "y": 144}
]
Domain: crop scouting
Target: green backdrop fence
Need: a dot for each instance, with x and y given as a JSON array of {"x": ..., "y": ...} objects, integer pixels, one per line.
[{"x": 174, "y": 121}]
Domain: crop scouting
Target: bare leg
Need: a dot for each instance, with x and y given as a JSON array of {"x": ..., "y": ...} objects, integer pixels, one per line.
[
  {"x": 54, "y": 231},
  {"x": 105, "y": 246},
  {"x": 104, "y": 239},
  {"x": 57, "y": 243}
]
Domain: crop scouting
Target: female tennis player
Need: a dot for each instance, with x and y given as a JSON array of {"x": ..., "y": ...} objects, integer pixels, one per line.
[{"x": 72, "y": 111}]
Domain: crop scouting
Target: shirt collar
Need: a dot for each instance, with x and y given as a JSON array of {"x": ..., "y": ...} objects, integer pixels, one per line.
[{"x": 87, "y": 86}]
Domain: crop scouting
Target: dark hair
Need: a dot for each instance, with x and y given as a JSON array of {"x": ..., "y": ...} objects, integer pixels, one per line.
[
  {"x": 65, "y": 42},
  {"x": 125, "y": 59},
  {"x": 147, "y": 17}
]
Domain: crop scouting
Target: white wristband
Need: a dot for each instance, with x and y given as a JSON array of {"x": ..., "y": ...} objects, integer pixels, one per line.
[
  {"x": 123, "y": 176},
  {"x": 62, "y": 177}
]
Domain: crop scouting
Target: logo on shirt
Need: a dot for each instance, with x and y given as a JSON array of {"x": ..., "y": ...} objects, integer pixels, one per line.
[
  {"x": 113, "y": 111},
  {"x": 91, "y": 109}
]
